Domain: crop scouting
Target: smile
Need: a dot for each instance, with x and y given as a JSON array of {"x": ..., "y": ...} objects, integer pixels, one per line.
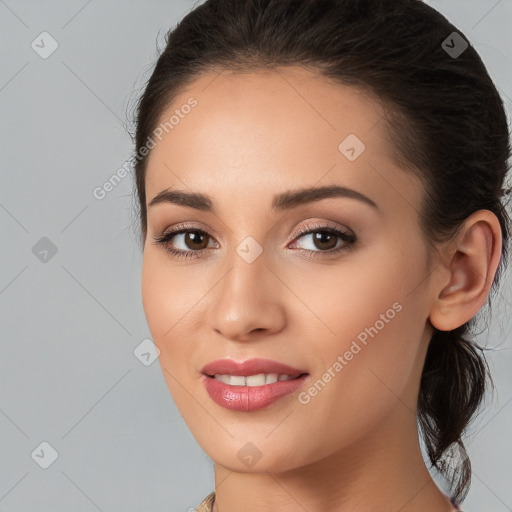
[{"x": 252, "y": 380}]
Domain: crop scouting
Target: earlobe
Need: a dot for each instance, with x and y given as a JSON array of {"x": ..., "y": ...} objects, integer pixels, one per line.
[{"x": 471, "y": 263}]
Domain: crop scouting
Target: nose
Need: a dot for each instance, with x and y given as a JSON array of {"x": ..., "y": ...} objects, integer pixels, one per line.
[{"x": 248, "y": 302}]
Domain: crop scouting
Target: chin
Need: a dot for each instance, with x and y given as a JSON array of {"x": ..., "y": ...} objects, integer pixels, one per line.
[{"x": 252, "y": 454}]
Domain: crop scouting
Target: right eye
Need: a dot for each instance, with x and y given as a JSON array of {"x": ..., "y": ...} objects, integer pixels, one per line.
[{"x": 189, "y": 236}]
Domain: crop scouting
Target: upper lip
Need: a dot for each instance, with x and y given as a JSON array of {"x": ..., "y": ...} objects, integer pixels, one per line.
[{"x": 249, "y": 367}]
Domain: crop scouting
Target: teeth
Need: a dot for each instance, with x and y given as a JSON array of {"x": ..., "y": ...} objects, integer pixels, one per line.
[
  {"x": 252, "y": 380},
  {"x": 269, "y": 379},
  {"x": 224, "y": 378},
  {"x": 236, "y": 380}
]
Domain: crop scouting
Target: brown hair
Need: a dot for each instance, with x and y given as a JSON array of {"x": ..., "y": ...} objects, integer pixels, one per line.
[{"x": 447, "y": 124}]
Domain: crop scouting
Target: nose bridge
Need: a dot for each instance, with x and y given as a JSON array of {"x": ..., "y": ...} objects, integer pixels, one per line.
[{"x": 247, "y": 297}]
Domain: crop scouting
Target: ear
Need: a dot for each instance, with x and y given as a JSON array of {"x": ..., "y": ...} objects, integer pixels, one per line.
[{"x": 466, "y": 271}]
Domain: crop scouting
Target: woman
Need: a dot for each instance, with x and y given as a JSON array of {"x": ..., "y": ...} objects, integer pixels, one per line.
[{"x": 320, "y": 190}]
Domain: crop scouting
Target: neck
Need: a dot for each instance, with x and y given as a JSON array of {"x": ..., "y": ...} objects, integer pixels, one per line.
[{"x": 383, "y": 471}]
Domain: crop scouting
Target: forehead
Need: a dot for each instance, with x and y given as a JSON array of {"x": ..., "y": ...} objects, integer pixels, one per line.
[
  {"x": 294, "y": 104},
  {"x": 264, "y": 130}
]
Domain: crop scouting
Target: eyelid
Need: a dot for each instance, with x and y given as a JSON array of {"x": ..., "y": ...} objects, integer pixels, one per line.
[
  {"x": 319, "y": 225},
  {"x": 184, "y": 226},
  {"x": 315, "y": 224}
]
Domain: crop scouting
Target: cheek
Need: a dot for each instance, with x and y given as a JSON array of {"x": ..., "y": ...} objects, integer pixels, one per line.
[
  {"x": 359, "y": 384},
  {"x": 165, "y": 304},
  {"x": 372, "y": 344},
  {"x": 173, "y": 299},
  {"x": 168, "y": 293},
  {"x": 154, "y": 296}
]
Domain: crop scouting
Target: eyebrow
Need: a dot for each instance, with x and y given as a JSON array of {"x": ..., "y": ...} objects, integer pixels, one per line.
[{"x": 283, "y": 201}]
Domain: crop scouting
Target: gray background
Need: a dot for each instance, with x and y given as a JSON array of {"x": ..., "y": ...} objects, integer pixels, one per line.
[{"x": 71, "y": 323}]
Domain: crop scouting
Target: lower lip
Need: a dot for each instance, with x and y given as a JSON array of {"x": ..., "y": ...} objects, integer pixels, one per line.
[{"x": 250, "y": 398}]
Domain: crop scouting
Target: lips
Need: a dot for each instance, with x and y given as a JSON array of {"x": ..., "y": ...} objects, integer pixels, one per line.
[
  {"x": 241, "y": 393},
  {"x": 249, "y": 367}
]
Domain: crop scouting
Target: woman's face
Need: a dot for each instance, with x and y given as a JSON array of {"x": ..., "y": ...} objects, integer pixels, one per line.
[{"x": 350, "y": 310}]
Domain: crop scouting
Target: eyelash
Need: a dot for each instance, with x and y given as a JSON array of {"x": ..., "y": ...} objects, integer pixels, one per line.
[{"x": 166, "y": 237}]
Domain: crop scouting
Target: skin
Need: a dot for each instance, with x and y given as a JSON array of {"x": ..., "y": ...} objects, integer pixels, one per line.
[{"x": 354, "y": 446}]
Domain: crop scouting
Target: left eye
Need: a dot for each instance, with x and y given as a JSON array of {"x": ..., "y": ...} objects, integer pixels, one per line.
[{"x": 325, "y": 238}]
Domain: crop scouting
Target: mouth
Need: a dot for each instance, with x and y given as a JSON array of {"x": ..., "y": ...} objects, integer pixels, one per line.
[
  {"x": 260, "y": 379},
  {"x": 250, "y": 385},
  {"x": 255, "y": 372},
  {"x": 248, "y": 393}
]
